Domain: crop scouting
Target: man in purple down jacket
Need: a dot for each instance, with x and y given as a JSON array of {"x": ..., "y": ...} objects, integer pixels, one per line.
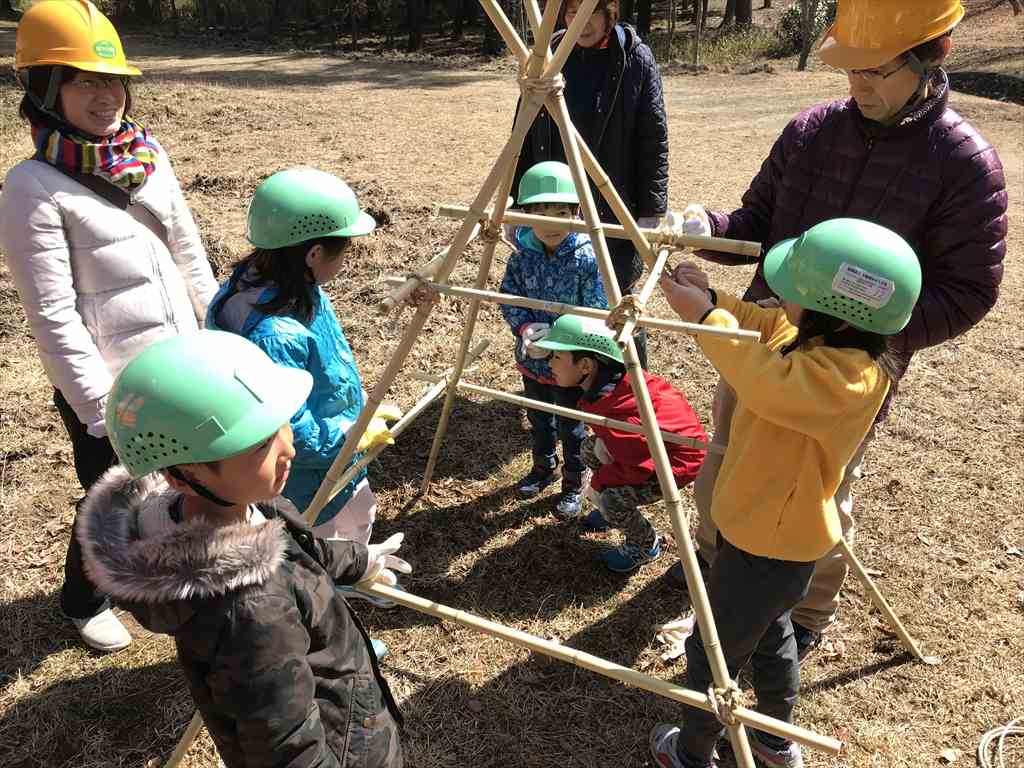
[{"x": 895, "y": 154}]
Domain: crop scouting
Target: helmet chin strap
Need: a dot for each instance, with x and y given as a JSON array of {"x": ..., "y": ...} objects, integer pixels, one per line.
[
  {"x": 924, "y": 76},
  {"x": 177, "y": 474},
  {"x": 48, "y": 104}
]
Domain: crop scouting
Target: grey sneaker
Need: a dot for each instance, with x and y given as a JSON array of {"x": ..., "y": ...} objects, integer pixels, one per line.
[
  {"x": 789, "y": 757},
  {"x": 103, "y": 632},
  {"x": 535, "y": 482},
  {"x": 662, "y": 743}
]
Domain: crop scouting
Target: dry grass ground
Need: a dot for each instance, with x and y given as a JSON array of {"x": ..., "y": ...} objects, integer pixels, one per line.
[{"x": 939, "y": 508}]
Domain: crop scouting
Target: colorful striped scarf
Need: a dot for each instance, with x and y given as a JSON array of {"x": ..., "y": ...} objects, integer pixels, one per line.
[{"x": 125, "y": 159}]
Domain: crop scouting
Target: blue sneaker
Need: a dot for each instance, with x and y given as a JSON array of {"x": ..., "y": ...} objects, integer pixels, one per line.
[
  {"x": 594, "y": 521},
  {"x": 629, "y": 557},
  {"x": 380, "y": 649}
]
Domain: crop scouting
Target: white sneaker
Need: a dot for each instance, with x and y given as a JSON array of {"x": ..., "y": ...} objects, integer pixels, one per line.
[{"x": 103, "y": 632}]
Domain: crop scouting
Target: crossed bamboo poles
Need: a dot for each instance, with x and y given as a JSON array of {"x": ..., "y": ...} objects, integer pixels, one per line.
[{"x": 541, "y": 85}]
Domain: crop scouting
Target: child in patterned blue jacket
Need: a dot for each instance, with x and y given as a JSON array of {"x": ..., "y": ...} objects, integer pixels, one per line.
[{"x": 559, "y": 267}]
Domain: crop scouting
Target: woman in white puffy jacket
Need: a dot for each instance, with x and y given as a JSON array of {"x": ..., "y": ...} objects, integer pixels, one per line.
[{"x": 100, "y": 242}]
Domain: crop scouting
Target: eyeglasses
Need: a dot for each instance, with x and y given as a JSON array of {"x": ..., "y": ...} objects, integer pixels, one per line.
[
  {"x": 97, "y": 84},
  {"x": 876, "y": 74}
]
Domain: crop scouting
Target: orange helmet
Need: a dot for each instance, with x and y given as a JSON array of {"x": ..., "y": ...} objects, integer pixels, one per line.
[
  {"x": 868, "y": 33},
  {"x": 70, "y": 33}
]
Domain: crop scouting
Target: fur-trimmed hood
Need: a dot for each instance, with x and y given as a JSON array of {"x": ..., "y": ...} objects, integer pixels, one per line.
[{"x": 137, "y": 555}]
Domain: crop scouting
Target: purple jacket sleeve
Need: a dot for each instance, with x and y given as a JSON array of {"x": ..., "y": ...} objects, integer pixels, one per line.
[
  {"x": 962, "y": 254},
  {"x": 753, "y": 219}
]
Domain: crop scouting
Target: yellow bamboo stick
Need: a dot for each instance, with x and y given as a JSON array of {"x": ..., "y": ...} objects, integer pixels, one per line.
[
  {"x": 602, "y": 667},
  {"x": 662, "y": 237},
  {"x": 588, "y": 418},
  {"x": 883, "y": 606},
  {"x": 558, "y": 308},
  {"x": 411, "y": 283},
  {"x": 645, "y": 293}
]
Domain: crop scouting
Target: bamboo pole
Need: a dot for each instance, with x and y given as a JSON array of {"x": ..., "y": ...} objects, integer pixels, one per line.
[
  {"x": 558, "y": 308},
  {"x": 438, "y": 385},
  {"x": 602, "y": 667},
  {"x": 556, "y": 61},
  {"x": 190, "y": 734},
  {"x": 588, "y": 418},
  {"x": 542, "y": 40},
  {"x": 645, "y": 293},
  {"x": 411, "y": 283},
  {"x": 468, "y": 327},
  {"x": 662, "y": 237},
  {"x": 883, "y": 606},
  {"x": 528, "y": 111},
  {"x": 670, "y": 493}
]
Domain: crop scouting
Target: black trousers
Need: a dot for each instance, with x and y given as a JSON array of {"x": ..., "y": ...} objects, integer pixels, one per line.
[{"x": 79, "y": 598}]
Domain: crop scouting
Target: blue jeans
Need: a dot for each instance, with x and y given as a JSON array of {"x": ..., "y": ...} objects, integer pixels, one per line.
[{"x": 547, "y": 428}]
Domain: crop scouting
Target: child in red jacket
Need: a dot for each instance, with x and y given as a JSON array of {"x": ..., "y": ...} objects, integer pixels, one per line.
[{"x": 585, "y": 355}]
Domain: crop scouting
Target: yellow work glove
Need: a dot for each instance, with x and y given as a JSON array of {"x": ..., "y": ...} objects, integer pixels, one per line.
[{"x": 377, "y": 431}]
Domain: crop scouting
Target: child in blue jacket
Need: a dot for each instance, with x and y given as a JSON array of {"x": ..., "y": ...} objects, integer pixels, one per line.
[
  {"x": 558, "y": 267},
  {"x": 301, "y": 221}
]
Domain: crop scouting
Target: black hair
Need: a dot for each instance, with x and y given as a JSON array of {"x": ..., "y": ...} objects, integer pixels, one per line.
[
  {"x": 814, "y": 324},
  {"x": 932, "y": 51},
  {"x": 608, "y": 372},
  {"x": 286, "y": 268},
  {"x": 38, "y": 81}
]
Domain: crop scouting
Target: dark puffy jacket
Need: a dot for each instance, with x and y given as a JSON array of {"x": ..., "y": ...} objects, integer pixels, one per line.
[
  {"x": 627, "y": 129},
  {"x": 278, "y": 664},
  {"x": 932, "y": 178}
]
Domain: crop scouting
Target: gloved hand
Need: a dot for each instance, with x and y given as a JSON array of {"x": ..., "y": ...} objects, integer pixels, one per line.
[
  {"x": 377, "y": 432},
  {"x": 381, "y": 563},
  {"x": 649, "y": 222},
  {"x": 531, "y": 333},
  {"x": 692, "y": 221},
  {"x": 602, "y": 453}
]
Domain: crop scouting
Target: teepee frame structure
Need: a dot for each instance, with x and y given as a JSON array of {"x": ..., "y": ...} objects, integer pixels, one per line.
[{"x": 541, "y": 84}]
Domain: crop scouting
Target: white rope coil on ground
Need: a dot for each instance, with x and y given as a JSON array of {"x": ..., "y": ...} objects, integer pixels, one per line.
[{"x": 991, "y": 753}]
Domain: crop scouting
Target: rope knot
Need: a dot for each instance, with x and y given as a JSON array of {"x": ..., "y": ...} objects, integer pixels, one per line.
[
  {"x": 541, "y": 85},
  {"x": 723, "y": 703},
  {"x": 629, "y": 308}
]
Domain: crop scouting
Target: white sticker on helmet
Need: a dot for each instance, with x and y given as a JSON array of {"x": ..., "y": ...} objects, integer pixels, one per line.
[{"x": 856, "y": 283}]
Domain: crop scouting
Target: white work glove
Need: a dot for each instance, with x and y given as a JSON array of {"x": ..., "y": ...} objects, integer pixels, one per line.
[
  {"x": 534, "y": 332},
  {"x": 692, "y": 221},
  {"x": 601, "y": 451},
  {"x": 649, "y": 222},
  {"x": 381, "y": 562}
]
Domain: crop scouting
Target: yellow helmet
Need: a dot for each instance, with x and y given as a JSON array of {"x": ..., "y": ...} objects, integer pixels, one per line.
[
  {"x": 70, "y": 33},
  {"x": 868, "y": 33}
]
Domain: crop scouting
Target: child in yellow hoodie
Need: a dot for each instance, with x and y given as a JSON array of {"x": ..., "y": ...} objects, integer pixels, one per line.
[{"x": 807, "y": 396}]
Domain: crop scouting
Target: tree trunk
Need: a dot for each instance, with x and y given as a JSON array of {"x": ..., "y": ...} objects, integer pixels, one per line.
[
  {"x": 744, "y": 13},
  {"x": 1016, "y": 7},
  {"x": 415, "y": 16},
  {"x": 643, "y": 17},
  {"x": 701, "y": 20},
  {"x": 808, "y": 13},
  {"x": 671, "y": 27},
  {"x": 354, "y": 21},
  {"x": 626, "y": 10},
  {"x": 493, "y": 45},
  {"x": 728, "y": 15},
  {"x": 767, "y": 4}
]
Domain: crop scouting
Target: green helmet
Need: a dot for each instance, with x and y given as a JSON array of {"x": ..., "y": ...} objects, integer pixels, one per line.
[
  {"x": 547, "y": 182},
  {"x": 199, "y": 398},
  {"x": 584, "y": 334},
  {"x": 300, "y": 204},
  {"x": 860, "y": 272}
]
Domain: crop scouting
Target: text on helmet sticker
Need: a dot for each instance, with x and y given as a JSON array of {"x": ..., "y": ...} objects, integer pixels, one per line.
[
  {"x": 856, "y": 283},
  {"x": 105, "y": 49}
]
